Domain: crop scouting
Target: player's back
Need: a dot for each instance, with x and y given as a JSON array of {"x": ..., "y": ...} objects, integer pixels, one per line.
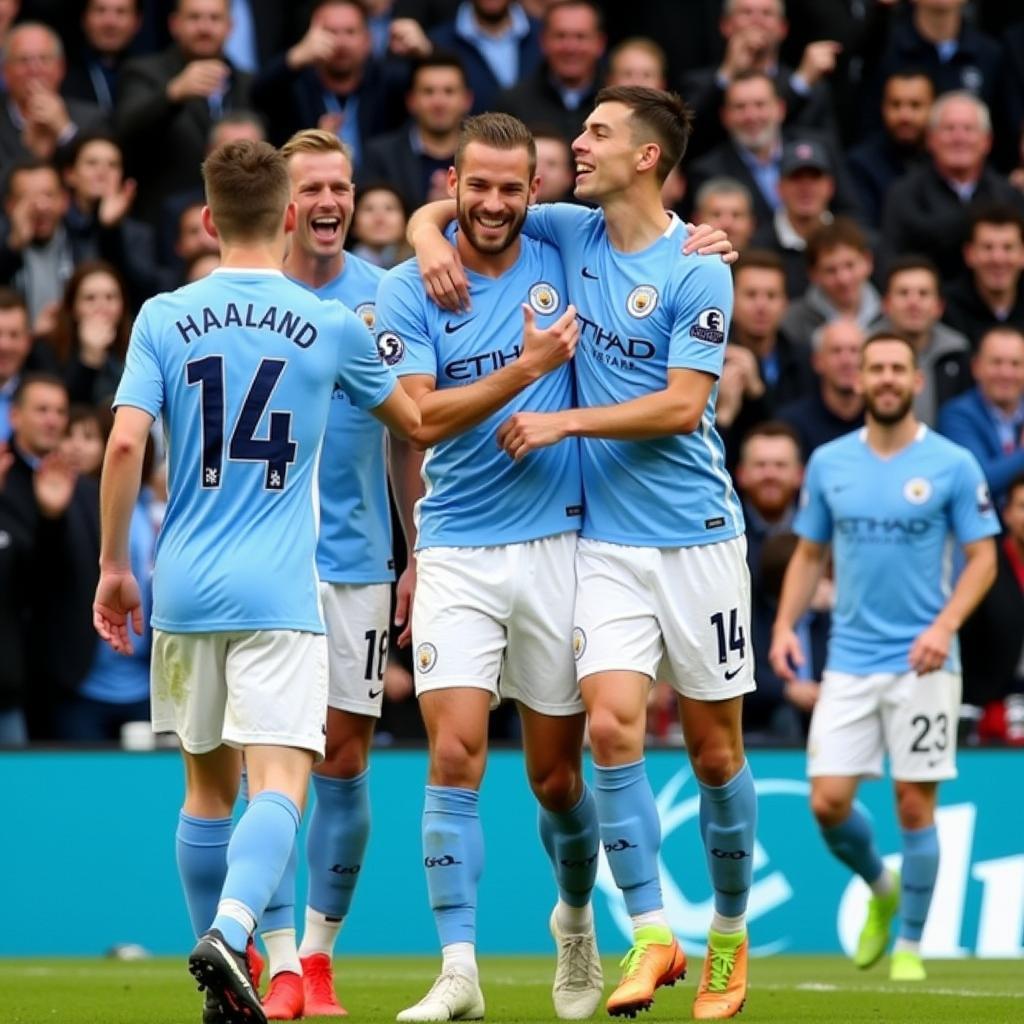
[{"x": 246, "y": 361}]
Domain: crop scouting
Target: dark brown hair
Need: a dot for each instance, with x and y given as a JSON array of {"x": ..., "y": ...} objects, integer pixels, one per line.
[
  {"x": 499, "y": 131},
  {"x": 64, "y": 338},
  {"x": 247, "y": 189}
]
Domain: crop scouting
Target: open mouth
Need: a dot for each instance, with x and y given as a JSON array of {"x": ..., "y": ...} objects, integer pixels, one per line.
[
  {"x": 325, "y": 229},
  {"x": 582, "y": 170},
  {"x": 492, "y": 223}
]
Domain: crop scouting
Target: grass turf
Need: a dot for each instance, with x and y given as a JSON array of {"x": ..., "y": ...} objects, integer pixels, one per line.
[{"x": 517, "y": 989}]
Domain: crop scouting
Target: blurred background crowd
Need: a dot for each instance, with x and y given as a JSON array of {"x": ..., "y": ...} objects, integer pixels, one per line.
[{"x": 865, "y": 156}]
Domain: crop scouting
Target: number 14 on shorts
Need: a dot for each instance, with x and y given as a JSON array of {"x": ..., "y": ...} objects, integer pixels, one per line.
[{"x": 737, "y": 640}]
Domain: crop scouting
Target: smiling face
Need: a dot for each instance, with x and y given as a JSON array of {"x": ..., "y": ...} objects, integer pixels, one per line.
[
  {"x": 97, "y": 170},
  {"x": 995, "y": 254},
  {"x": 201, "y": 27},
  {"x": 325, "y": 196},
  {"x": 753, "y": 113},
  {"x": 841, "y": 274},
  {"x": 99, "y": 296},
  {"x": 492, "y": 188},
  {"x": 770, "y": 473},
  {"x": 379, "y": 218},
  {"x": 912, "y": 300},
  {"x": 606, "y": 153},
  {"x": 889, "y": 380}
]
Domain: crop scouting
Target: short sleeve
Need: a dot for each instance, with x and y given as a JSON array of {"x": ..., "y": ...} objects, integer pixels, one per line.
[
  {"x": 972, "y": 513},
  {"x": 558, "y": 224},
  {"x": 360, "y": 371},
  {"x": 813, "y": 518},
  {"x": 403, "y": 336},
  {"x": 702, "y": 310},
  {"x": 142, "y": 383}
]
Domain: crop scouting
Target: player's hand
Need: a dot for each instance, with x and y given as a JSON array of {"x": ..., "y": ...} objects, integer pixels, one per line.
[
  {"x": 525, "y": 432},
  {"x": 54, "y": 485},
  {"x": 930, "y": 649},
  {"x": 786, "y": 655},
  {"x": 819, "y": 59},
  {"x": 547, "y": 348},
  {"x": 117, "y": 601},
  {"x": 802, "y": 693},
  {"x": 407, "y": 39},
  {"x": 315, "y": 46},
  {"x": 115, "y": 205},
  {"x": 709, "y": 241},
  {"x": 199, "y": 79},
  {"x": 404, "y": 594},
  {"x": 442, "y": 271}
]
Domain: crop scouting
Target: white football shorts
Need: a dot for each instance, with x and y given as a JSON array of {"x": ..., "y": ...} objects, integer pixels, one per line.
[
  {"x": 258, "y": 687},
  {"x": 681, "y": 614},
  {"x": 499, "y": 619},
  {"x": 357, "y": 617},
  {"x": 858, "y": 718}
]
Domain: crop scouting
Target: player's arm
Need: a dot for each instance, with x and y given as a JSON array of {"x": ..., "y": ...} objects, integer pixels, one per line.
[
  {"x": 931, "y": 648},
  {"x": 803, "y": 574},
  {"x": 452, "y": 411},
  {"x": 399, "y": 413},
  {"x": 117, "y": 595},
  {"x": 404, "y": 464}
]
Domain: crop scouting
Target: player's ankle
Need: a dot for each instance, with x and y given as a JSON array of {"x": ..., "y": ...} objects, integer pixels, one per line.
[{"x": 460, "y": 957}]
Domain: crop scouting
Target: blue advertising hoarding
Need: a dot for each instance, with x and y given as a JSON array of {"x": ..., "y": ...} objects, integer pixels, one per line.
[{"x": 93, "y": 848}]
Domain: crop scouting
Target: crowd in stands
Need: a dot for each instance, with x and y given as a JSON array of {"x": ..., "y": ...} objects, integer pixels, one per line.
[{"x": 864, "y": 156}]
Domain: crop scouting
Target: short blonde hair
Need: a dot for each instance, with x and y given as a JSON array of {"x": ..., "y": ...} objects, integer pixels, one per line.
[
  {"x": 315, "y": 140},
  {"x": 247, "y": 190}
]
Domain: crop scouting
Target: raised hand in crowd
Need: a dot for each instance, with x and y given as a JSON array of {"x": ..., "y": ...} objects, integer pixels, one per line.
[
  {"x": 406, "y": 38},
  {"x": 315, "y": 46},
  {"x": 54, "y": 485},
  {"x": 199, "y": 79},
  {"x": 21, "y": 217},
  {"x": 740, "y": 380},
  {"x": 114, "y": 206},
  {"x": 46, "y": 120},
  {"x": 46, "y": 319},
  {"x": 745, "y": 49},
  {"x": 819, "y": 60}
]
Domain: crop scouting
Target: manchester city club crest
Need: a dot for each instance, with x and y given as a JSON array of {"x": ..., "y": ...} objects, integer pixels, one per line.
[
  {"x": 426, "y": 657},
  {"x": 917, "y": 490},
  {"x": 367, "y": 312},
  {"x": 579, "y": 642},
  {"x": 543, "y": 298},
  {"x": 642, "y": 300}
]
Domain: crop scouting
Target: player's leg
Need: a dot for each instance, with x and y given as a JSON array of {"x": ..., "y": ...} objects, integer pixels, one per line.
[
  {"x": 845, "y": 745},
  {"x": 618, "y": 647},
  {"x": 920, "y": 715},
  {"x": 459, "y": 636}
]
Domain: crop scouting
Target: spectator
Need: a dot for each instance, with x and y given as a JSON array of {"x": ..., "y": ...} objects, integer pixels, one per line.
[
  {"x": 16, "y": 570},
  {"x": 752, "y": 114},
  {"x": 415, "y": 158},
  {"x": 806, "y": 187},
  {"x": 18, "y": 355},
  {"x": 192, "y": 239},
  {"x": 35, "y": 120},
  {"x": 835, "y": 407},
  {"x": 839, "y": 266},
  {"x": 638, "y": 61},
  {"x": 926, "y": 211},
  {"x": 9, "y": 10},
  {"x": 561, "y": 91},
  {"x": 108, "y": 29},
  {"x": 200, "y": 266},
  {"x": 497, "y": 43},
  {"x": 85, "y": 441},
  {"x": 378, "y": 226},
  {"x": 59, "y": 513},
  {"x": 937, "y": 39},
  {"x": 98, "y": 219},
  {"x": 988, "y": 420},
  {"x": 753, "y": 31},
  {"x": 992, "y": 641},
  {"x": 36, "y": 254},
  {"x": 896, "y": 148},
  {"x": 260, "y": 30},
  {"x": 991, "y": 292},
  {"x": 329, "y": 80},
  {"x": 90, "y": 340},
  {"x": 727, "y": 204},
  {"x": 555, "y": 166},
  {"x": 169, "y": 101},
  {"x": 768, "y": 478},
  {"x": 912, "y": 305}
]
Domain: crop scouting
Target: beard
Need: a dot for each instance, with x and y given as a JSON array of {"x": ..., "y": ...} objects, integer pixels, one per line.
[
  {"x": 488, "y": 246},
  {"x": 889, "y": 417}
]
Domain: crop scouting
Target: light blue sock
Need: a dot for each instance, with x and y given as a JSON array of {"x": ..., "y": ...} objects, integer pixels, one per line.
[
  {"x": 572, "y": 840},
  {"x": 201, "y": 848},
  {"x": 453, "y": 855},
  {"x": 280, "y": 912},
  {"x": 851, "y": 842},
  {"x": 728, "y": 824},
  {"x": 258, "y": 854},
  {"x": 630, "y": 832},
  {"x": 917, "y": 880},
  {"x": 339, "y": 829}
]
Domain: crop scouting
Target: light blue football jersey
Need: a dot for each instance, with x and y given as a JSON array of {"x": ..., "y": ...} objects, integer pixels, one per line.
[
  {"x": 892, "y": 523},
  {"x": 476, "y": 496},
  {"x": 241, "y": 365},
  {"x": 355, "y": 519},
  {"x": 641, "y": 314}
]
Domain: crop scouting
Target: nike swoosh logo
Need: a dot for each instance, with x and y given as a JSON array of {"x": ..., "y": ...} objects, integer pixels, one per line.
[
  {"x": 734, "y": 673},
  {"x": 588, "y": 275},
  {"x": 450, "y": 328},
  {"x": 374, "y": 696}
]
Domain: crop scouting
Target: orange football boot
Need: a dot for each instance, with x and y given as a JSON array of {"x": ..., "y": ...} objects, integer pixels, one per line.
[
  {"x": 723, "y": 982},
  {"x": 656, "y": 959}
]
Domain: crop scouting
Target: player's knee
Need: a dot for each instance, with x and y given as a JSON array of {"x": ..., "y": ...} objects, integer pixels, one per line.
[
  {"x": 914, "y": 808},
  {"x": 715, "y": 763},
  {"x": 345, "y": 761},
  {"x": 455, "y": 762},
  {"x": 829, "y": 809},
  {"x": 557, "y": 787},
  {"x": 611, "y": 737}
]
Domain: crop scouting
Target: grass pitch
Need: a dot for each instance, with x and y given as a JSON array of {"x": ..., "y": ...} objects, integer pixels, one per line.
[{"x": 517, "y": 989}]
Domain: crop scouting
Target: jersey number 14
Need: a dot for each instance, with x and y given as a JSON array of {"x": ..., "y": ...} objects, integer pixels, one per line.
[{"x": 276, "y": 450}]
